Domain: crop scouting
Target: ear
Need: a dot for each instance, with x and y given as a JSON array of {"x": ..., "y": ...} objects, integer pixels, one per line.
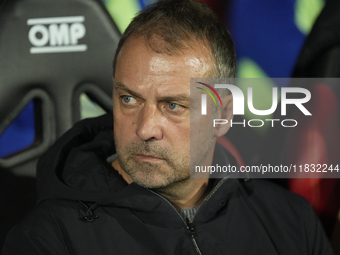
[{"x": 225, "y": 113}]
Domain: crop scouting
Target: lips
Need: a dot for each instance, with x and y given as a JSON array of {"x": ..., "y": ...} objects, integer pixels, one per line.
[{"x": 147, "y": 157}]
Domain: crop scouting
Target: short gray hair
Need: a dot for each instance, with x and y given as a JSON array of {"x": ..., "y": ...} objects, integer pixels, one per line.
[{"x": 178, "y": 23}]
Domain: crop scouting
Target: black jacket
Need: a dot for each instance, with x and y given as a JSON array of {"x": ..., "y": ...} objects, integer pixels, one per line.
[{"x": 85, "y": 207}]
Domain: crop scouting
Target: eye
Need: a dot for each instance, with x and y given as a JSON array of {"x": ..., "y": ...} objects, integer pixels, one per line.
[
  {"x": 128, "y": 100},
  {"x": 173, "y": 106}
]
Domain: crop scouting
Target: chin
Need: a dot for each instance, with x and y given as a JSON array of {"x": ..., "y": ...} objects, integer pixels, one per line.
[
  {"x": 158, "y": 182},
  {"x": 153, "y": 175},
  {"x": 152, "y": 182}
]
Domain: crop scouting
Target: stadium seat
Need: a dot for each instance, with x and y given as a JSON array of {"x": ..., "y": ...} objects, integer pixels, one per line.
[{"x": 52, "y": 54}]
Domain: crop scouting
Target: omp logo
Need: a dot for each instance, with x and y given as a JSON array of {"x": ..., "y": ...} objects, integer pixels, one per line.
[
  {"x": 204, "y": 97},
  {"x": 54, "y": 35}
]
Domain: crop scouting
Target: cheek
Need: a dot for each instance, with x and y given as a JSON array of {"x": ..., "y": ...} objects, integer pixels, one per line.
[
  {"x": 124, "y": 126},
  {"x": 180, "y": 137},
  {"x": 201, "y": 129}
]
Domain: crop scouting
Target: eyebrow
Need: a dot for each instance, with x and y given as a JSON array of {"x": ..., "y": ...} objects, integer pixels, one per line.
[
  {"x": 121, "y": 86},
  {"x": 176, "y": 98}
]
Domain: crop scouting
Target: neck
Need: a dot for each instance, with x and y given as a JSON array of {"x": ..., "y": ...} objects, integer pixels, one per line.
[{"x": 186, "y": 194}]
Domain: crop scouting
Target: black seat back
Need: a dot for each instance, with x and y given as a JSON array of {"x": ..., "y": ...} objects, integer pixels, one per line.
[{"x": 51, "y": 53}]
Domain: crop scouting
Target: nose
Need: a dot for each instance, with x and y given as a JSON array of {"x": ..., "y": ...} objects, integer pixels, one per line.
[{"x": 149, "y": 126}]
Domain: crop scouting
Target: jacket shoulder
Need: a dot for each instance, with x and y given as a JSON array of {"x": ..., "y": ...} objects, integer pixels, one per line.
[
  {"x": 39, "y": 232},
  {"x": 286, "y": 215},
  {"x": 267, "y": 192}
]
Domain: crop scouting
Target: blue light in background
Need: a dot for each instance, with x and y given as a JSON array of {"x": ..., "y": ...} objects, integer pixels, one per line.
[{"x": 20, "y": 133}]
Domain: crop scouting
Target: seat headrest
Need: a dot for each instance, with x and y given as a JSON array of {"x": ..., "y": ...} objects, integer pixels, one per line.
[
  {"x": 51, "y": 52},
  {"x": 56, "y": 46}
]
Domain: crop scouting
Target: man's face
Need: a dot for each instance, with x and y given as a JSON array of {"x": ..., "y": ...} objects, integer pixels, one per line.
[{"x": 152, "y": 113}]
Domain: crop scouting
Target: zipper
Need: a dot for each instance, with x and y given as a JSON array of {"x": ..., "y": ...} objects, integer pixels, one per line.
[
  {"x": 193, "y": 234},
  {"x": 189, "y": 225},
  {"x": 190, "y": 228},
  {"x": 210, "y": 195}
]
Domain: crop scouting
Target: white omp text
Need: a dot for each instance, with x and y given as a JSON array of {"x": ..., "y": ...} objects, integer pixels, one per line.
[{"x": 55, "y": 35}]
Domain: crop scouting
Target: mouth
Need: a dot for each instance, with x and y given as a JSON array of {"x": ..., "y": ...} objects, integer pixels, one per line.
[{"x": 146, "y": 157}]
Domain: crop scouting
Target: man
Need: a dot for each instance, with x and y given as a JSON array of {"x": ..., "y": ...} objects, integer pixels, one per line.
[{"x": 144, "y": 201}]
